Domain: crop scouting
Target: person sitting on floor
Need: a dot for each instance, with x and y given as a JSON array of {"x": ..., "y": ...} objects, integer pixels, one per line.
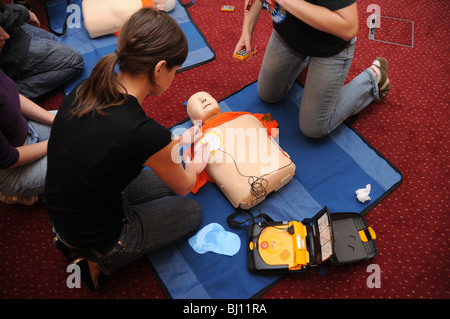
[
  {"x": 103, "y": 205},
  {"x": 23, "y": 143},
  {"x": 33, "y": 57}
]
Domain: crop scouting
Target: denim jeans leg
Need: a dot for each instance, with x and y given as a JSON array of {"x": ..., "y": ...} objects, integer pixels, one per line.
[
  {"x": 359, "y": 93},
  {"x": 28, "y": 179},
  {"x": 165, "y": 216},
  {"x": 38, "y": 32},
  {"x": 279, "y": 70},
  {"x": 156, "y": 219},
  {"x": 48, "y": 65},
  {"x": 146, "y": 187},
  {"x": 42, "y": 131},
  {"x": 24, "y": 180},
  {"x": 324, "y": 81},
  {"x": 326, "y": 102}
]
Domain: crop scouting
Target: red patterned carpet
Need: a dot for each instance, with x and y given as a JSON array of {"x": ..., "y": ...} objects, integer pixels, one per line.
[{"x": 410, "y": 128}]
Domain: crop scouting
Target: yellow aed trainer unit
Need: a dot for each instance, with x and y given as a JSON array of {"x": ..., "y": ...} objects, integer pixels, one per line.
[
  {"x": 242, "y": 54},
  {"x": 227, "y": 8},
  {"x": 294, "y": 246}
]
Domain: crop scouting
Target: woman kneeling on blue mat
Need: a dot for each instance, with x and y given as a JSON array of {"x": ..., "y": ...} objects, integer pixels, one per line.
[{"x": 106, "y": 210}]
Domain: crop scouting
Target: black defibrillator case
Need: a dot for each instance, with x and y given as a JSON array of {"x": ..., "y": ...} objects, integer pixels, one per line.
[{"x": 287, "y": 247}]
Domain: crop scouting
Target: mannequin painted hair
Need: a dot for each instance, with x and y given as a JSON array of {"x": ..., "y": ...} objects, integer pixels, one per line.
[{"x": 148, "y": 37}]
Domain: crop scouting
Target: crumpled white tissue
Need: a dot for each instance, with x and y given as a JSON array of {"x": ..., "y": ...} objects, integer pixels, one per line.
[{"x": 362, "y": 194}]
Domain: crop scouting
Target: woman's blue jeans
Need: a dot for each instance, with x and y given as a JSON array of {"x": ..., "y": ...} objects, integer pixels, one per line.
[
  {"x": 154, "y": 217},
  {"x": 326, "y": 101},
  {"x": 48, "y": 64},
  {"x": 29, "y": 179}
]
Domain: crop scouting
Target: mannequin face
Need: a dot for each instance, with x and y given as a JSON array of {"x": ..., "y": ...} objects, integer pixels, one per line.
[{"x": 202, "y": 106}]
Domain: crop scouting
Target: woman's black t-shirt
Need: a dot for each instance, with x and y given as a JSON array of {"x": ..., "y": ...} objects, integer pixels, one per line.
[
  {"x": 90, "y": 161},
  {"x": 305, "y": 39}
]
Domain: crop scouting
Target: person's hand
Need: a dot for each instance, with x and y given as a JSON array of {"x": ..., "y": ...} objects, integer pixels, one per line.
[
  {"x": 34, "y": 19},
  {"x": 245, "y": 43},
  {"x": 190, "y": 136},
  {"x": 200, "y": 160}
]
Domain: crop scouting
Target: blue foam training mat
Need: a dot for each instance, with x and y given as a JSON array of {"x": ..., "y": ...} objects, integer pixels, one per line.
[{"x": 328, "y": 172}]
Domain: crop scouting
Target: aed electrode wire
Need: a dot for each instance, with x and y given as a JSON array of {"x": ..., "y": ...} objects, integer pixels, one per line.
[{"x": 257, "y": 187}]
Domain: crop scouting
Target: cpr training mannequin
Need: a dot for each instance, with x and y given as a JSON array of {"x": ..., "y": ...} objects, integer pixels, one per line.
[
  {"x": 103, "y": 17},
  {"x": 245, "y": 163}
]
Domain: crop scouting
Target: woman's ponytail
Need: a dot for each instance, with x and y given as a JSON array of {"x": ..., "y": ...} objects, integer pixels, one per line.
[{"x": 101, "y": 89}]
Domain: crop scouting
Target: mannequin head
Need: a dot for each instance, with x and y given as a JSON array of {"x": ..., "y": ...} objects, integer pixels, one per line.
[{"x": 202, "y": 106}]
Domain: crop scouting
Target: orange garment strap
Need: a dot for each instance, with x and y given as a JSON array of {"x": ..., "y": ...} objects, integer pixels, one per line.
[
  {"x": 145, "y": 3},
  {"x": 202, "y": 179},
  {"x": 221, "y": 118},
  {"x": 265, "y": 119}
]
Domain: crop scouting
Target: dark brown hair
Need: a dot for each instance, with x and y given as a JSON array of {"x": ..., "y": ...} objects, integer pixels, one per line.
[
  {"x": 148, "y": 37},
  {"x": 2, "y": 9}
]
